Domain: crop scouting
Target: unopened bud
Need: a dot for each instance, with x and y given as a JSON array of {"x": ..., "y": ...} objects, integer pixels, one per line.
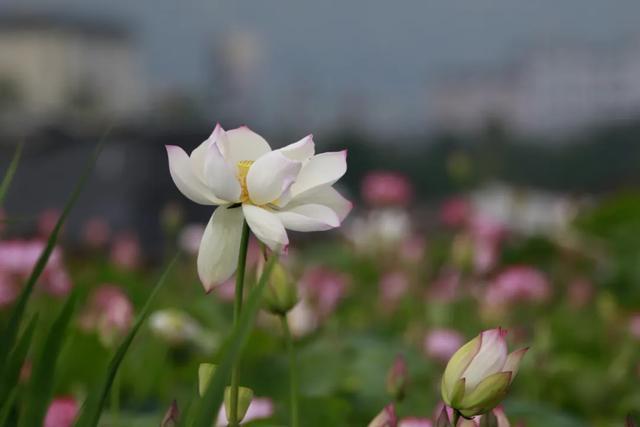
[
  {"x": 245, "y": 396},
  {"x": 397, "y": 378},
  {"x": 172, "y": 416},
  {"x": 205, "y": 372},
  {"x": 281, "y": 294},
  {"x": 386, "y": 418}
]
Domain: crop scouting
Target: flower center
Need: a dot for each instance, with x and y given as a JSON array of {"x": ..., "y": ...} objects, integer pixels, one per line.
[{"x": 243, "y": 169}]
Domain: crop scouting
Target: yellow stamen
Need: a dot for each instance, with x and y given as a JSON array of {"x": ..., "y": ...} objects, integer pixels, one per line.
[{"x": 243, "y": 169}]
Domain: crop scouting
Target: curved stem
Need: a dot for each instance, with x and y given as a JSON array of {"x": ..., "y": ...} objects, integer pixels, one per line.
[
  {"x": 237, "y": 308},
  {"x": 456, "y": 417},
  {"x": 293, "y": 372},
  {"x": 115, "y": 400}
]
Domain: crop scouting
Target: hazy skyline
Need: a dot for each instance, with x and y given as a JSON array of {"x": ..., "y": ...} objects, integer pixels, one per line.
[{"x": 382, "y": 53}]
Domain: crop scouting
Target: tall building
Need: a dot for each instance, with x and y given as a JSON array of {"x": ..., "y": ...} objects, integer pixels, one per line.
[
  {"x": 549, "y": 90},
  {"x": 55, "y": 65}
]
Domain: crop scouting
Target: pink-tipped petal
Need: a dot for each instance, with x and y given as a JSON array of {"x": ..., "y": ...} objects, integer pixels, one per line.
[
  {"x": 512, "y": 364},
  {"x": 187, "y": 182},
  {"x": 489, "y": 360},
  {"x": 301, "y": 150},
  {"x": 309, "y": 217},
  {"x": 220, "y": 176}
]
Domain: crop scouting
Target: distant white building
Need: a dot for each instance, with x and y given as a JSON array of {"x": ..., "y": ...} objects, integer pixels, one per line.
[
  {"x": 51, "y": 66},
  {"x": 549, "y": 90}
]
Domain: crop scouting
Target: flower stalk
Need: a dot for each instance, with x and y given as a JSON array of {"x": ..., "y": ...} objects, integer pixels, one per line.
[
  {"x": 237, "y": 309},
  {"x": 456, "y": 417},
  {"x": 293, "y": 372}
]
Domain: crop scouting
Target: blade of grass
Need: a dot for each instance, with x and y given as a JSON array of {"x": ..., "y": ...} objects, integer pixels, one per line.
[
  {"x": 92, "y": 408},
  {"x": 11, "y": 170},
  {"x": 42, "y": 380},
  {"x": 11, "y": 374},
  {"x": 8, "y": 337},
  {"x": 211, "y": 402}
]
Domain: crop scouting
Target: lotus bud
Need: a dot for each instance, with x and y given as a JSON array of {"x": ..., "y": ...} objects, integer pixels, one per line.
[
  {"x": 386, "y": 418},
  {"x": 172, "y": 416},
  {"x": 282, "y": 293},
  {"x": 443, "y": 418},
  {"x": 245, "y": 396},
  {"x": 205, "y": 372},
  {"x": 479, "y": 374},
  {"x": 397, "y": 378}
]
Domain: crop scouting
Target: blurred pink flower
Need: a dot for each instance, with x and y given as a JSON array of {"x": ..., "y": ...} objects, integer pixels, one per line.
[
  {"x": 324, "y": 288},
  {"x": 413, "y": 248},
  {"x": 384, "y": 188},
  {"x": 226, "y": 291},
  {"x": 190, "y": 237},
  {"x": 61, "y": 412},
  {"x": 445, "y": 287},
  {"x": 109, "y": 312},
  {"x": 455, "y": 212},
  {"x": 125, "y": 250},
  {"x": 634, "y": 325},
  {"x": 518, "y": 284},
  {"x": 393, "y": 286},
  {"x": 47, "y": 221},
  {"x": 441, "y": 344},
  {"x": 17, "y": 259},
  {"x": 415, "y": 422},
  {"x": 487, "y": 235},
  {"x": 580, "y": 292},
  {"x": 96, "y": 232},
  {"x": 8, "y": 290},
  {"x": 259, "y": 408}
]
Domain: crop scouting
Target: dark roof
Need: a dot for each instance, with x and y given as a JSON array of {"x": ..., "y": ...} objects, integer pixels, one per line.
[{"x": 92, "y": 27}]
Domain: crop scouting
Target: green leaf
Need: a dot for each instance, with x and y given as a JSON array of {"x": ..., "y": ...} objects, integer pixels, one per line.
[
  {"x": 92, "y": 408},
  {"x": 11, "y": 170},
  {"x": 211, "y": 402},
  {"x": 42, "y": 380},
  {"x": 5, "y": 410},
  {"x": 8, "y": 337},
  {"x": 10, "y": 374}
]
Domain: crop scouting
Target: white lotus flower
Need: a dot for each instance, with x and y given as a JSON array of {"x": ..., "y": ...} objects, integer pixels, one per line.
[{"x": 289, "y": 188}]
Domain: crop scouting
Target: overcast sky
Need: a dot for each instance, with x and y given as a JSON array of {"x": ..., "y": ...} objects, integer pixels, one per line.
[{"x": 385, "y": 51}]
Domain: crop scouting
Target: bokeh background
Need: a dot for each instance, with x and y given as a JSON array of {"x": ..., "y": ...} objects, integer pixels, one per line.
[{"x": 493, "y": 161}]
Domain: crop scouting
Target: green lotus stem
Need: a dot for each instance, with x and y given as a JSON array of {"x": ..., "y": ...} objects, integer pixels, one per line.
[
  {"x": 456, "y": 417},
  {"x": 293, "y": 372},
  {"x": 237, "y": 308}
]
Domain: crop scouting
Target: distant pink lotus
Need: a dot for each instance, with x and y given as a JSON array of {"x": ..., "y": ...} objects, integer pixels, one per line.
[
  {"x": 47, "y": 221},
  {"x": 96, "y": 232},
  {"x": 17, "y": 260},
  {"x": 518, "y": 284},
  {"x": 385, "y": 188},
  {"x": 324, "y": 288},
  {"x": 393, "y": 286},
  {"x": 445, "y": 287},
  {"x": 441, "y": 344},
  {"x": 634, "y": 325},
  {"x": 62, "y": 412},
  {"x": 125, "y": 250},
  {"x": 109, "y": 312},
  {"x": 579, "y": 292},
  {"x": 413, "y": 248},
  {"x": 455, "y": 212}
]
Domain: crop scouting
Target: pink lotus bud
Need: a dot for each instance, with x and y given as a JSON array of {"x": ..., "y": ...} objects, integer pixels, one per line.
[
  {"x": 415, "y": 422},
  {"x": 518, "y": 284},
  {"x": 61, "y": 412},
  {"x": 384, "y": 188},
  {"x": 125, "y": 250},
  {"x": 455, "y": 212},
  {"x": 397, "y": 378},
  {"x": 96, "y": 232},
  {"x": 479, "y": 374},
  {"x": 386, "y": 418},
  {"x": 172, "y": 416},
  {"x": 441, "y": 344},
  {"x": 109, "y": 312}
]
